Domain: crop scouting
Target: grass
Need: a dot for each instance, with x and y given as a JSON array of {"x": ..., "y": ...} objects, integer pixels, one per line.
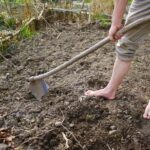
[
  {"x": 88, "y": 1},
  {"x": 13, "y": 1},
  {"x": 26, "y": 32}
]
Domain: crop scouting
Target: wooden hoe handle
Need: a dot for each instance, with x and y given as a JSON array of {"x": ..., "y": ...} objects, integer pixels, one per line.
[{"x": 89, "y": 50}]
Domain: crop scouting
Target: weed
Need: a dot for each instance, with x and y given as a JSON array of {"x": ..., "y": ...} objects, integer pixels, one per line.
[
  {"x": 26, "y": 32},
  {"x": 104, "y": 20}
]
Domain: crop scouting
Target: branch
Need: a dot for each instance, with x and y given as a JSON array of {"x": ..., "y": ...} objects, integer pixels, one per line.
[{"x": 66, "y": 139}]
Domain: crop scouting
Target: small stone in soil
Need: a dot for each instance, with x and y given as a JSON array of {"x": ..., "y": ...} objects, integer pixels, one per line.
[
  {"x": 112, "y": 132},
  {"x": 7, "y": 76},
  {"x": 71, "y": 125},
  {"x": 112, "y": 127},
  {"x": 66, "y": 103},
  {"x": 58, "y": 123}
]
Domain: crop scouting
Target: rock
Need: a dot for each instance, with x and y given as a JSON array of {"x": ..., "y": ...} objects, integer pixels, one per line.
[
  {"x": 120, "y": 111},
  {"x": 7, "y": 76},
  {"x": 29, "y": 59},
  {"x": 58, "y": 123},
  {"x": 82, "y": 98},
  {"x": 112, "y": 127},
  {"x": 66, "y": 103},
  {"x": 71, "y": 125},
  {"x": 129, "y": 119},
  {"x": 3, "y": 146},
  {"x": 19, "y": 69},
  {"x": 112, "y": 132}
]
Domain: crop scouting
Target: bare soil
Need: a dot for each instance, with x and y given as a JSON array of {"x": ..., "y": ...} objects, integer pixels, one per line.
[{"x": 88, "y": 123}]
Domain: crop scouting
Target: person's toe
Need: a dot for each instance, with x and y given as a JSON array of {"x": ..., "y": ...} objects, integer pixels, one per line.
[
  {"x": 145, "y": 115},
  {"x": 148, "y": 114},
  {"x": 89, "y": 93}
]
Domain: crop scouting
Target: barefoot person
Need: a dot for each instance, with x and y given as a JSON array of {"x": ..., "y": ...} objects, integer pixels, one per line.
[{"x": 126, "y": 46}]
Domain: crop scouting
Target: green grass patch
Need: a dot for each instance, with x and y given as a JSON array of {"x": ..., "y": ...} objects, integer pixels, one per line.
[
  {"x": 13, "y": 1},
  {"x": 104, "y": 20},
  {"x": 26, "y": 32},
  {"x": 88, "y": 1}
]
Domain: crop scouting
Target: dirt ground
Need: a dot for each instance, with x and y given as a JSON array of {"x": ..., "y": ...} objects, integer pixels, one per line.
[{"x": 88, "y": 123}]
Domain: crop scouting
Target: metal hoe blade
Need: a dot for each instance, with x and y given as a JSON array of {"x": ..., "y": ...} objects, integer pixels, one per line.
[{"x": 38, "y": 88}]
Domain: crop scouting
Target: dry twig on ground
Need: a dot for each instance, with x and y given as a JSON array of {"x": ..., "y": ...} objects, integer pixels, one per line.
[
  {"x": 66, "y": 139},
  {"x": 83, "y": 147}
]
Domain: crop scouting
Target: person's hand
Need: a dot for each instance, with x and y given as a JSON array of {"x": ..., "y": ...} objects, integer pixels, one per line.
[{"x": 113, "y": 33}]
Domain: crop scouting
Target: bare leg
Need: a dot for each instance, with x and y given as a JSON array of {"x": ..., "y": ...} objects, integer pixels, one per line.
[{"x": 119, "y": 71}]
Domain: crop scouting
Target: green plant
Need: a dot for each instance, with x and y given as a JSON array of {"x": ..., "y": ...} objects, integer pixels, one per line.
[
  {"x": 130, "y": 1},
  {"x": 2, "y": 20},
  {"x": 10, "y": 22},
  {"x": 104, "y": 20},
  {"x": 26, "y": 32},
  {"x": 88, "y": 1},
  {"x": 13, "y": 1}
]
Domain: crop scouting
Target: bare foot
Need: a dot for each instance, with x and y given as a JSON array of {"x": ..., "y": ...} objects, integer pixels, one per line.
[
  {"x": 146, "y": 114},
  {"x": 106, "y": 93}
]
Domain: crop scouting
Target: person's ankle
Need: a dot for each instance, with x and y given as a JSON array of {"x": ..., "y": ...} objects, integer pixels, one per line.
[{"x": 111, "y": 88}]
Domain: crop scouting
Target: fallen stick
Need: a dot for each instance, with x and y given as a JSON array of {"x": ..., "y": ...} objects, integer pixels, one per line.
[
  {"x": 58, "y": 36},
  {"x": 66, "y": 139},
  {"x": 84, "y": 148},
  {"x": 61, "y": 124}
]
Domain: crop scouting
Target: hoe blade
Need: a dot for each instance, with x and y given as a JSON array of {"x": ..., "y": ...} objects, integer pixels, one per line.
[{"x": 38, "y": 88}]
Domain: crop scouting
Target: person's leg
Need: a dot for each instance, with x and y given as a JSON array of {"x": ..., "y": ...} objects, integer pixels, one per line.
[
  {"x": 119, "y": 71},
  {"x": 125, "y": 50}
]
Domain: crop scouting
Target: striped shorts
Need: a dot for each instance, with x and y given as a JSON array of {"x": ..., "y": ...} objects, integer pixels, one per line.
[{"x": 129, "y": 43}]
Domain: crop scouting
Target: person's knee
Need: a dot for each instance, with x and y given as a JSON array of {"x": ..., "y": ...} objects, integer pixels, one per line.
[{"x": 126, "y": 49}]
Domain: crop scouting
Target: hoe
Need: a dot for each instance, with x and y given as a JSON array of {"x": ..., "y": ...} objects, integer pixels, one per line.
[{"x": 38, "y": 86}]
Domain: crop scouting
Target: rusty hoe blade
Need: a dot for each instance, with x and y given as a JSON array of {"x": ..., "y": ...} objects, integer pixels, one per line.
[{"x": 38, "y": 88}]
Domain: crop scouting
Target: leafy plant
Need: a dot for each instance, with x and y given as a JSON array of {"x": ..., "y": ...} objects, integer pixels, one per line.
[
  {"x": 129, "y": 1},
  {"x": 2, "y": 20},
  {"x": 88, "y": 1},
  {"x": 104, "y": 20},
  {"x": 26, "y": 32},
  {"x": 10, "y": 22}
]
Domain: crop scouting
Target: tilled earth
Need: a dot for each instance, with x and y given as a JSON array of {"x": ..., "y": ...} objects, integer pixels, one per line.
[{"x": 65, "y": 113}]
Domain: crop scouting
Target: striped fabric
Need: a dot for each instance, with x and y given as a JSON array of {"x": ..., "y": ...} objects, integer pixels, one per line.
[
  {"x": 128, "y": 44},
  {"x": 138, "y": 9}
]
